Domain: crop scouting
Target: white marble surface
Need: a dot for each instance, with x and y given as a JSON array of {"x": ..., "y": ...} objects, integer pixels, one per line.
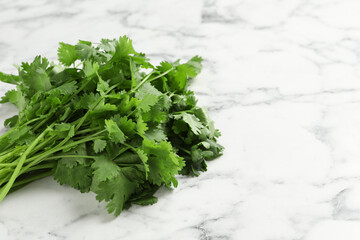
[{"x": 282, "y": 81}]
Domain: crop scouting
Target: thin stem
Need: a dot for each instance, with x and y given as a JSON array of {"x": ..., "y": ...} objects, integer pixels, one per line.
[
  {"x": 78, "y": 65},
  {"x": 32, "y": 178},
  {"x": 43, "y": 144},
  {"x": 131, "y": 113},
  {"x": 86, "y": 131},
  {"x": 188, "y": 111},
  {"x": 4, "y": 180},
  {"x": 69, "y": 156},
  {"x": 4, "y": 171},
  {"x": 41, "y": 166},
  {"x": 37, "y": 159},
  {"x": 7, "y": 165},
  {"x": 184, "y": 150},
  {"x": 143, "y": 81},
  {"x": 150, "y": 80},
  {"x": 120, "y": 152},
  {"x": 6, "y": 152},
  {"x": 31, "y": 121},
  {"x": 128, "y": 164},
  {"x": 22, "y": 159},
  {"x": 94, "y": 106},
  {"x": 38, "y": 125},
  {"x": 8, "y": 155}
]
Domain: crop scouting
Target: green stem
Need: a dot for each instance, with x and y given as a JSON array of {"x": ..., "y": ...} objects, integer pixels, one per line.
[
  {"x": 32, "y": 178},
  {"x": 150, "y": 80},
  {"x": 36, "y": 149},
  {"x": 37, "y": 159},
  {"x": 69, "y": 156},
  {"x": 143, "y": 81},
  {"x": 31, "y": 121},
  {"x": 120, "y": 152},
  {"x": 22, "y": 159},
  {"x": 4, "y": 180},
  {"x": 41, "y": 166},
  {"x": 43, "y": 144},
  {"x": 128, "y": 164},
  {"x": 10, "y": 154},
  {"x": 7, "y": 165},
  {"x": 6, "y": 152},
  {"x": 86, "y": 131},
  {"x": 184, "y": 150},
  {"x": 78, "y": 65},
  {"x": 187, "y": 111},
  {"x": 4, "y": 171},
  {"x": 38, "y": 125}
]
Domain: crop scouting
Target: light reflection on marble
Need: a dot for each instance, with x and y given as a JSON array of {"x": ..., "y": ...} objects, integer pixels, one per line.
[{"x": 282, "y": 81}]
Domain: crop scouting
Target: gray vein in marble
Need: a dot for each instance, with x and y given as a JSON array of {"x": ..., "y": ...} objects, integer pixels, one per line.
[
  {"x": 55, "y": 15},
  {"x": 281, "y": 80}
]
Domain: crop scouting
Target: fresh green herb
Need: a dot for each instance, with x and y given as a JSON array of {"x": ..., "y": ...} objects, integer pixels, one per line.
[{"x": 105, "y": 120}]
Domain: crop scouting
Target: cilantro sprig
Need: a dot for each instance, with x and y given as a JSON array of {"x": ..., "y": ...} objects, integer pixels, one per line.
[{"x": 105, "y": 120}]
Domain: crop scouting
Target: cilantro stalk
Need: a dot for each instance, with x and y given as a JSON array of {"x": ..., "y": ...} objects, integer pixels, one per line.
[
  {"x": 22, "y": 159},
  {"x": 100, "y": 121}
]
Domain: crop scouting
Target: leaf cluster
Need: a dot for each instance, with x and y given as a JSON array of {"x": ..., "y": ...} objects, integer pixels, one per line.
[{"x": 105, "y": 120}]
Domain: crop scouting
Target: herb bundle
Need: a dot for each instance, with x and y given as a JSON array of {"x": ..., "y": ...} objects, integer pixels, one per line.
[{"x": 105, "y": 120}]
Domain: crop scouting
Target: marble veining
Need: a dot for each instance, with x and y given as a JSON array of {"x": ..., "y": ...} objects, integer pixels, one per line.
[{"x": 281, "y": 80}]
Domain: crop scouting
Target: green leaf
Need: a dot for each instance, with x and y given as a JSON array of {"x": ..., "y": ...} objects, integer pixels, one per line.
[
  {"x": 180, "y": 126},
  {"x": 104, "y": 169},
  {"x": 77, "y": 150},
  {"x": 67, "y": 88},
  {"x": 193, "y": 67},
  {"x": 90, "y": 68},
  {"x": 163, "y": 163},
  {"x": 116, "y": 191},
  {"x": 123, "y": 48},
  {"x": 99, "y": 145},
  {"x": 128, "y": 158},
  {"x": 11, "y": 122},
  {"x": 85, "y": 51},
  {"x": 86, "y": 101},
  {"x": 127, "y": 126},
  {"x": 115, "y": 134},
  {"x": 63, "y": 127},
  {"x": 67, "y": 54},
  {"x": 107, "y": 45},
  {"x": 127, "y": 104},
  {"x": 35, "y": 76},
  {"x": 102, "y": 87},
  {"x": 146, "y": 89},
  {"x": 135, "y": 75},
  {"x": 156, "y": 134},
  {"x": 193, "y": 122},
  {"x": 9, "y": 78},
  {"x": 166, "y": 102},
  {"x": 12, "y": 96},
  {"x": 144, "y": 158},
  {"x": 13, "y": 135},
  {"x": 147, "y": 102},
  {"x": 141, "y": 126},
  {"x": 156, "y": 114},
  {"x": 146, "y": 201},
  {"x": 78, "y": 176},
  {"x": 178, "y": 79},
  {"x": 101, "y": 108}
]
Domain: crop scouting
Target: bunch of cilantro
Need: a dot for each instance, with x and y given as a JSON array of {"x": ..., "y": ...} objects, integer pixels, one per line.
[{"x": 105, "y": 120}]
